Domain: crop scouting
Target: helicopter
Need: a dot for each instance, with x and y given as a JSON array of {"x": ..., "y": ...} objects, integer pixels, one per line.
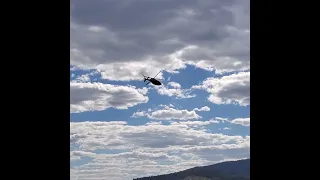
[{"x": 152, "y": 80}]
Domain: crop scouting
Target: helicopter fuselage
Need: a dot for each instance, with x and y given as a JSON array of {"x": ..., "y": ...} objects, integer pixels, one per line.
[{"x": 154, "y": 81}]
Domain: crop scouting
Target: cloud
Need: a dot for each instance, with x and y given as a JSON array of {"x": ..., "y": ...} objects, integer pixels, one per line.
[
  {"x": 237, "y": 121},
  {"x": 223, "y": 120},
  {"x": 99, "y": 96},
  {"x": 234, "y": 88},
  {"x": 82, "y": 79},
  {"x": 122, "y": 151},
  {"x": 204, "y": 108},
  {"x": 241, "y": 121},
  {"x": 166, "y": 106},
  {"x": 195, "y": 123},
  {"x": 176, "y": 91},
  {"x": 77, "y": 155},
  {"x": 154, "y": 123},
  {"x": 174, "y": 85},
  {"x": 122, "y": 39},
  {"x": 169, "y": 113}
]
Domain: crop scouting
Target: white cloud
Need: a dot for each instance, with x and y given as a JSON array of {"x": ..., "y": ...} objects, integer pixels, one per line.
[
  {"x": 174, "y": 85},
  {"x": 166, "y": 106},
  {"x": 123, "y": 39},
  {"x": 82, "y": 79},
  {"x": 77, "y": 155},
  {"x": 147, "y": 149},
  {"x": 229, "y": 89},
  {"x": 204, "y": 108},
  {"x": 176, "y": 91},
  {"x": 169, "y": 113},
  {"x": 237, "y": 121},
  {"x": 154, "y": 123},
  {"x": 223, "y": 120},
  {"x": 241, "y": 121},
  {"x": 98, "y": 96},
  {"x": 195, "y": 123}
]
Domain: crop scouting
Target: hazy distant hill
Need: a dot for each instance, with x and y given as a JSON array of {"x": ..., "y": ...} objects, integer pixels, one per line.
[{"x": 229, "y": 170}]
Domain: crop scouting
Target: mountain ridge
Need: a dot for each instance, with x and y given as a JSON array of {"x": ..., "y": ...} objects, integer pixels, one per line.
[{"x": 227, "y": 170}]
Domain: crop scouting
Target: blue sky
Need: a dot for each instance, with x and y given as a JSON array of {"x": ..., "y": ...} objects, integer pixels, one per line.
[
  {"x": 121, "y": 128},
  {"x": 186, "y": 78}
]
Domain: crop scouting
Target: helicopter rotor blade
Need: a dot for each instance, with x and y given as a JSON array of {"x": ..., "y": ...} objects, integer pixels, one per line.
[
  {"x": 148, "y": 83},
  {"x": 145, "y": 77},
  {"x": 157, "y": 74}
]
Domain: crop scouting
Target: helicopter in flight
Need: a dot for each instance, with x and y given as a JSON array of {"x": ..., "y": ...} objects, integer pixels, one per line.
[{"x": 152, "y": 80}]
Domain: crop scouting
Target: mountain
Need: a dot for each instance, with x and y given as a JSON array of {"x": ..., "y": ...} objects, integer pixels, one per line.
[{"x": 229, "y": 170}]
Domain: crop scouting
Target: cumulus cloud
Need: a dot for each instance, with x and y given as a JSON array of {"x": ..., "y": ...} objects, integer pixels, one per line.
[
  {"x": 241, "y": 121},
  {"x": 166, "y": 106},
  {"x": 170, "y": 113},
  {"x": 99, "y": 96},
  {"x": 77, "y": 155},
  {"x": 204, "y": 108},
  {"x": 195, "y": 123},
  {"x": 174, "y": 85},
  {"x": 122, "y": 39},
  {"x": 154, "y": 123},
  {"x": 174, "y": 91},
  {"x": 82, "y": 79},
  {"x": 234, "y": 88},
  {"x": 122, "y": 151},
  {"x": 223, "y": 120},
  {"x": 237, "y": 121}
]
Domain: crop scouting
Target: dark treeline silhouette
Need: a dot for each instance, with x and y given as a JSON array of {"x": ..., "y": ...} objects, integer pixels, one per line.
[{"x": 229, "y": 170}]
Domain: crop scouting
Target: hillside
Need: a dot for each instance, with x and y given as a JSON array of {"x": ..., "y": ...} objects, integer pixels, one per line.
[{"x": 229, "y": 170}]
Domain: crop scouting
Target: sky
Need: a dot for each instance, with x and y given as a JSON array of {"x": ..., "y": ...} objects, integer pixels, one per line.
[{"x": 121, "y": 128}]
